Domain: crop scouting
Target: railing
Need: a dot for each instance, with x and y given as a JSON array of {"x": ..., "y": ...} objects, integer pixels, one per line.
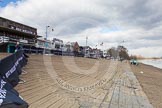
[{"x": 5, "y": 39}]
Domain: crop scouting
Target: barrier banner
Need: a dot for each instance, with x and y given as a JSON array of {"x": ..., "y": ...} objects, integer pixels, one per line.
[
  {"x": 10, "y": 69},
  {"x": 21, "y": 57},
  {"x": 9, "y": 98}
]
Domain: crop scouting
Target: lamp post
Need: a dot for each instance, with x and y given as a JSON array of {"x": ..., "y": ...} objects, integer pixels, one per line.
[
  {"x": 86, "y": 47},
  {"x": 46, "y": 43},
  {"x": 46, "y": 31}
]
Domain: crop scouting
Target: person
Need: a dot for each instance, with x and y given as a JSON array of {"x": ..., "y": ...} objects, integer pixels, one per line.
[{"x": 17, "y": 47}]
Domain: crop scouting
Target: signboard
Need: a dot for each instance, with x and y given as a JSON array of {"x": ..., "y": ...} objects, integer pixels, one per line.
[
  {"x": 4, "y": 39},
  {"x": 1, "y": 39}
]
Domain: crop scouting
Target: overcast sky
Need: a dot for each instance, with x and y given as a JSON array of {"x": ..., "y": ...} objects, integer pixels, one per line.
[{"x": 137, "y": 22}]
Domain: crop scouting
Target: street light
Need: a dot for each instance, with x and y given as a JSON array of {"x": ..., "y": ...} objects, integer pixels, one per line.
[
  {"x": 86, "y": 47},
  {"x": 46, "y": 43},
  {"x": 46, "y": 31}
]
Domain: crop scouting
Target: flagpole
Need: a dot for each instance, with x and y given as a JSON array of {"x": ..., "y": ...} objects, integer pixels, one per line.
[
  {"x": 86, "y": 40},
  {"x": 86, "y": 45}
]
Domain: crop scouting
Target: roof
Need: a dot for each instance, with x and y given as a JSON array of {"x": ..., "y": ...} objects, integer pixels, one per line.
[
  {"x": 44, "y": 40},
  {"x": 16, "y": 22},
  {"x": 59, "y": 40}
]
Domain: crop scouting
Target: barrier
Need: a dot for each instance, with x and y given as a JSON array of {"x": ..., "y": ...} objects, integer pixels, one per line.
[{"x": 10, "y": 69}]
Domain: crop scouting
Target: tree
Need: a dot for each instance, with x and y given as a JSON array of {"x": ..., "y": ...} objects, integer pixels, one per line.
[
  {"x": 133, "y": 57},
  {"x": 123, "y": 52},
  {"x": 113, "y": 52},
  {"x": 123, "y": 55},
  {"x": 120, "y": 52}
]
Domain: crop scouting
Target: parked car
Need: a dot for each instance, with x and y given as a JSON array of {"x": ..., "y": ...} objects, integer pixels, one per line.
[{"x": 134, "y": 62}]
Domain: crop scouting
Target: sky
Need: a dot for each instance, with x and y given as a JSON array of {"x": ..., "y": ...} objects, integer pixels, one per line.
[
  {"x": 136, "y": 24},
  {"x": 3, "y": 3}
]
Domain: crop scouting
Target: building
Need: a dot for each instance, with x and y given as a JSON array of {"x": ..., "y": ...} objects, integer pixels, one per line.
[
  {"x": 68, "y": 47},
  {"x": 12, "y": 32},
  {"x": 43, "y": 46},
  {"x": 71, "y": 49},
  {"x": 95, "y": 53},
  {"x": 57, "y": 44},
  {"x": 105, "y": 53},
  {"x": 87, "y": 51},
  {"x": 76, "y": 48},
  {"x": 81, "y": 51}
]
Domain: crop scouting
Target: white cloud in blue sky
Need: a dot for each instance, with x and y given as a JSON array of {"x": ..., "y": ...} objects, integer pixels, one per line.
[
  {"x": 3, "y": 3},
  {"x": 138, "y": 22}
]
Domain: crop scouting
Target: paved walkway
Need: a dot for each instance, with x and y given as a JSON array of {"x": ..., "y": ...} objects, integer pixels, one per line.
[{"x": 114, "y": 87}]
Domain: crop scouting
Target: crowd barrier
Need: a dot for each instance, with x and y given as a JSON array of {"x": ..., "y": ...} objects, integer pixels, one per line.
[{"x": 10, "y": 69}]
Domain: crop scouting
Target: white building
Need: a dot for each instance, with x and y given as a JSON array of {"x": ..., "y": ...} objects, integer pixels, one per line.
[
  {"x": 105, "y": 54},
  {"x": 68, "y": 47},
  {"x": 57, "y": 44},
  {"x": 44, "y": 44}
]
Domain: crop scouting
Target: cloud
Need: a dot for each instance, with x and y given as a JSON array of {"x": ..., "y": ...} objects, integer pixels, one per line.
[
  {"x": 145, "y": 51},
  {"x": 138, "y": 22}
]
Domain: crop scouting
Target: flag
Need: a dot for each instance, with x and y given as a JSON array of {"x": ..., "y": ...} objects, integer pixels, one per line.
[{"x": 101, "y": 44}]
